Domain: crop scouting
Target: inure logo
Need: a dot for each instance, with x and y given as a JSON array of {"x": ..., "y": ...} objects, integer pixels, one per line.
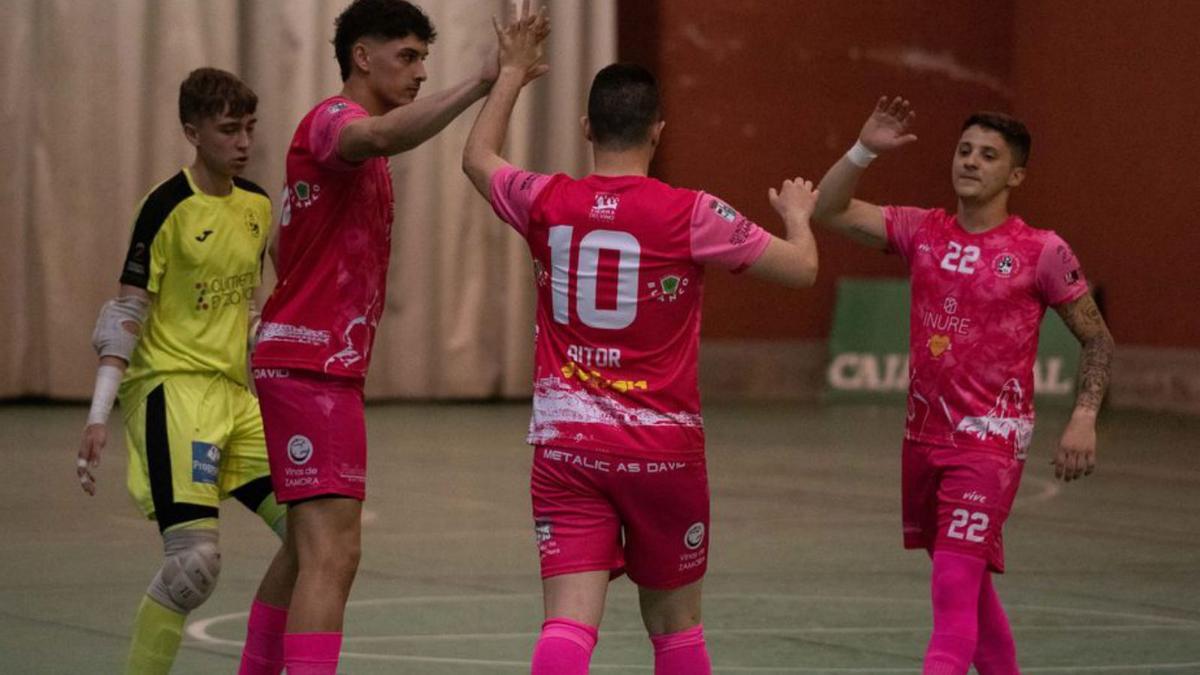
[
  {"x": 694, "y": 537},
  {"x": 300, "y": 449}
]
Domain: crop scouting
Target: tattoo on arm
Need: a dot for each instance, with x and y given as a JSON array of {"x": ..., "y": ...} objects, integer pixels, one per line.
[{"x": 1095, "y": 363}]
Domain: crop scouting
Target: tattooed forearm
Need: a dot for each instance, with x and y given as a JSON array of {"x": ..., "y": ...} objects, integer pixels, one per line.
[{"x": 1095, "y": 363}]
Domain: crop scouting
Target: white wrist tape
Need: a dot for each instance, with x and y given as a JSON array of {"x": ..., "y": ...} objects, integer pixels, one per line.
[
  {"x": 860, "y": 155},
  {"x": 108, "y": 378},
  {"x": 119, "y": 326}
]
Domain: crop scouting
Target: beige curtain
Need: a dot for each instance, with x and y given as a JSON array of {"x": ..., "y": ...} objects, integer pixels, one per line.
[{"x": 89, "y": 113}]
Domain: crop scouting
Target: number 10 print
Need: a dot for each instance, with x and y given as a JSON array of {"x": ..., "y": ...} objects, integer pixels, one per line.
[{"x": 629, "y": 252}]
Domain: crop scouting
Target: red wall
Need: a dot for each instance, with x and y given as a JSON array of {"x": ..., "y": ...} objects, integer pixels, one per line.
[
  {"x": 1112, "y": 93},
  {"x": 756, "y": 91}
]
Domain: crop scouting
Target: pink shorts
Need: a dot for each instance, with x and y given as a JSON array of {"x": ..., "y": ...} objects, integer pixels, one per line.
[
  {"x": 599, "y": 511},
  {"x": 958, "y": 500},
  {"x": 316, "y": 433}
]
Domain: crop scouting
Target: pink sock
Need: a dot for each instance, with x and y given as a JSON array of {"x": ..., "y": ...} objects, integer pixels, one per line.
[
  {"x": 311, "y": 653},
  {"x": 263, "y": 652},
  {"x": 681, "y": 653},
  {"x": 995, "y": 653},
  {"x": 564, "y": 648},
  {"x": 956, "y": 584}
]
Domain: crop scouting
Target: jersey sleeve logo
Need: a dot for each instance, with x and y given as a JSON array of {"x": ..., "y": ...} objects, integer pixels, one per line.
[
  {"x": 723, "y": 210},
  {"x": 137, "y": 260}
]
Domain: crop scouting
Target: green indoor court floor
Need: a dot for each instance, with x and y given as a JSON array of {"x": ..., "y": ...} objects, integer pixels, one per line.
[{"x": 806, "y": 572}]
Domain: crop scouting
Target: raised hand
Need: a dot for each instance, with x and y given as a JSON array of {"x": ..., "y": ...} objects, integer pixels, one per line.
[
  {"x": 521, "y": 42},
  {"x": 95, "y": 437},
  {"x": 796, "y": 197},
  {"x": 888, "y": 126}
]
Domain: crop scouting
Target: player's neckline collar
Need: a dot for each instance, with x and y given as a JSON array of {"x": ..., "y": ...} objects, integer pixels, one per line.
[
  {"x": 1005, "y": 224},
  {"x": 197, "y": 191}
]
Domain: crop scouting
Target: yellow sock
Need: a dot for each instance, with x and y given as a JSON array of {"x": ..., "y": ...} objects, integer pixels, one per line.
[{"x": 156, "y": 635}]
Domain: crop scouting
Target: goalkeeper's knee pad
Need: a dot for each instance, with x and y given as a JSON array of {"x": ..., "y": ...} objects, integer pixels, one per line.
[{"x": 190, "y": 569}]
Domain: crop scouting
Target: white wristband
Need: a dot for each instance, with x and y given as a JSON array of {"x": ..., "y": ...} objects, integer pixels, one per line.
[
  {"x": 108, "y": 378},
  {"x": 860, "y": 155}
]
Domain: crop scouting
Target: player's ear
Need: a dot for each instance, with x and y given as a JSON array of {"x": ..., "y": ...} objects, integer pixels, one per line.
[
  {"x": 656, "y": 132},
  {"x": 1016, "y": 176},
  {"x": 587, "y": 128},
  {"x": 360, "y": 54},
  {"x": 191, "y": 133}
]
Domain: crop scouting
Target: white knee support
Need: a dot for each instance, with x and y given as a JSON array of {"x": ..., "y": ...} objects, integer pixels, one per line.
[{"x": 190, "y": 569}]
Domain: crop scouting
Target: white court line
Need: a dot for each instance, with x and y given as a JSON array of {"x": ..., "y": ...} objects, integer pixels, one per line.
[
  {"x": 199, "y": 631},
  {"x": 1050, "y": 490}
]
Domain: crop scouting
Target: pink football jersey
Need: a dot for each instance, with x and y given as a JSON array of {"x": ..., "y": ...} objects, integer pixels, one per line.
[
  {"x": 977, "y": 306},
  {"x": 619, "y": 267},
  {"x": 334, "y": 243}
]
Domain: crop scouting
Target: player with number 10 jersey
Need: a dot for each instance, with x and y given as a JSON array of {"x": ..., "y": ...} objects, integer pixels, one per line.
[
  {"x": 619, "y": 482},
  {"x": 619, "y": 265}
]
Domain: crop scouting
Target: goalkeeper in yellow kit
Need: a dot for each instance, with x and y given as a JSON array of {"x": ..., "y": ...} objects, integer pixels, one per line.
[{"x": 172, "y": 348}]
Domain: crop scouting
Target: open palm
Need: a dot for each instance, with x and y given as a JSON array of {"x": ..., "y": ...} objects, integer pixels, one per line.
[{"x": 888, "y": 126}]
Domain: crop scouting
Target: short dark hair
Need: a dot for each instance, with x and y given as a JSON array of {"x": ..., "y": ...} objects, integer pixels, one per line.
[
  {"x": 622, "y": 105},
  {"x": 383, "y": 19},
  {"x": 211, "y": 92},
  {"x": 1012, "y": 129}
]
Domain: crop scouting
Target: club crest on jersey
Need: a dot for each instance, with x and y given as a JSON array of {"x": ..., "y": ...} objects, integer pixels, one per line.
[
  {"x": 694, "y": 537},
  {"x": 1005, "y": 265},
  {"x": 668, "y": 288},
  {"x": 938, "y": 345},
  {"x": 605, "y": 207},
  {"x": 252, "y": 223}
]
